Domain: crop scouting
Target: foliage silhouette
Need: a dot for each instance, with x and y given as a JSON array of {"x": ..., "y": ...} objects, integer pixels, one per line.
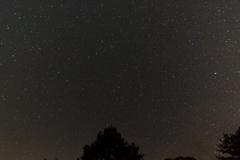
[
  {"x": 109, "y": 145},
  {"x": 181, "y": 158},
  {"x": 230, "y": 145}
]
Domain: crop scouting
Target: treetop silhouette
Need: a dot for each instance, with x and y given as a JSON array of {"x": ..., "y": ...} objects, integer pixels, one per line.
[
  {"x": 181, "y": 158},
  {"x": 230, "y": 145},
  {"x": 109, "y": 145}
]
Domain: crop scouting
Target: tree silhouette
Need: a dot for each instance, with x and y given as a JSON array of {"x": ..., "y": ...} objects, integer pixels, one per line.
[
  {"x": 109, "y": 145},
  {"x": 230, "y": 145},
  {"x": 181, "y": 158}
]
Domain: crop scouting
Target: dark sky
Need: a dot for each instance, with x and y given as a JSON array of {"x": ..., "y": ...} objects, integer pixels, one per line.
[{"x": 166, "y": 73}]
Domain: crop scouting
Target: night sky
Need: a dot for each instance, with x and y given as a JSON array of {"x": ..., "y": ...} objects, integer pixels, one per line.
[{"x": 165, "y": 73}]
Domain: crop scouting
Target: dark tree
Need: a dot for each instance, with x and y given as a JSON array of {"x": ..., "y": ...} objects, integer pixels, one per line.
[
  {"x": 109, "y": 145},
  {"x": 181, "y": 158},
  {"x": 230, "y": 145}
]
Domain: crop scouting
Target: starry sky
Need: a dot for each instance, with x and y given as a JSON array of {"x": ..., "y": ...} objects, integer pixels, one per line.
[{"x": 166, "y": 73}]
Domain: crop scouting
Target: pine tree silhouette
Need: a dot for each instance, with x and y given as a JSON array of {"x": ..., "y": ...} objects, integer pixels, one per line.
[{"x": 230, "y": 145}]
